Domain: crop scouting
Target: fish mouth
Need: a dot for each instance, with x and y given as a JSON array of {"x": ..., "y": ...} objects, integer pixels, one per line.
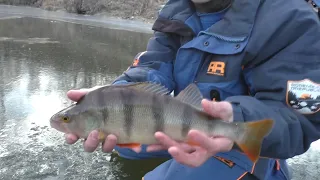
[
  {"x": 58, "y": 126},
  {"x": 56, "y": 123}
]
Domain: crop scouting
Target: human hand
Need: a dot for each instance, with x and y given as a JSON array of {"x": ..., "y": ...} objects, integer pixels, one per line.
[
  {"x": 195, "y": 156},
  {"x": 92, "y": 142}
]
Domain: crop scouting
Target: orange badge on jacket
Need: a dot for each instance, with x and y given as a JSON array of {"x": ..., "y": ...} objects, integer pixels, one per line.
[{"x": 216, "y": 68}]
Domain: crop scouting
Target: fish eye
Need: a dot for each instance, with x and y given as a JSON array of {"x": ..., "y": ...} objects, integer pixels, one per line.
[{"x": 65, "y": 119}]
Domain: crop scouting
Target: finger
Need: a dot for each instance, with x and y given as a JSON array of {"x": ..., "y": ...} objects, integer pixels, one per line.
[
  {"x": 92, "y": 142},
  {"x": 202, "y": 139},
  {"x": 158, "y": 147},
  {"x": 155, "y": 147},
  {"x": 222, "y": 144},
  {"x": 221, "y": 110},
  {"x": 165, "y": 140},
  {"x": 75, "y": 95},
  {"x": 109, "y": 143},
  {"x": 211, "y": 107},
  {"x": 137, "y": 149},
  {"x": 71, "y": 138},
  {"x": 194, "y": 159},
  {"x": 187, "y": 148},
  {"x": 213, "y": 145}
]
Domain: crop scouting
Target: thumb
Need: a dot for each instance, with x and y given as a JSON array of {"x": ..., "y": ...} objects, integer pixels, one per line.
[
  {"x": 75, "y": 95},
  {"x": 221, "y": 110}
]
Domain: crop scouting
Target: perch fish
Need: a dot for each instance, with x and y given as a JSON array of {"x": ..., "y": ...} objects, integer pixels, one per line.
[{"x": 134, "y": 112}]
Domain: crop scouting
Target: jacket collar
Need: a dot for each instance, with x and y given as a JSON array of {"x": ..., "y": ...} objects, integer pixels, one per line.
[{"x": 236, "y": 25}]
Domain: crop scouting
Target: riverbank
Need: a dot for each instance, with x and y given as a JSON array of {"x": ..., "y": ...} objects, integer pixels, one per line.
[
  {"x": 145, "y": 10},
  {"x": 98, "y": 20}
]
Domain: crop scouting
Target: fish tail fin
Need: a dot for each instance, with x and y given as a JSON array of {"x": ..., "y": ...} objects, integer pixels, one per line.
[{"x": 254, "y": 134}]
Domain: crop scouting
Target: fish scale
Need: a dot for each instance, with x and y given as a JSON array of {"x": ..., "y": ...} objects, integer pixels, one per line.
[{"x": 134, "y": 112}]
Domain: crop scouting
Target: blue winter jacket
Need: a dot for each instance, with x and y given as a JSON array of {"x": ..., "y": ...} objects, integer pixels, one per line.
[{"x": 263, "y": 56}]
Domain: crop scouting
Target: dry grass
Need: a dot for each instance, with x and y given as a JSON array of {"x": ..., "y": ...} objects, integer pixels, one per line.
[{"x": 121, "y": 8}]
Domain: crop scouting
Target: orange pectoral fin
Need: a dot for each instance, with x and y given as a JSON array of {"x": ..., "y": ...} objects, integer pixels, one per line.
[
  {"x": 193, "y": 143},
  {"x": 129, "y": 145}
]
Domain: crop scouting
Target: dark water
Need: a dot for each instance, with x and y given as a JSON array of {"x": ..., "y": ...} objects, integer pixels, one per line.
[{"x": 40, "y": 60}]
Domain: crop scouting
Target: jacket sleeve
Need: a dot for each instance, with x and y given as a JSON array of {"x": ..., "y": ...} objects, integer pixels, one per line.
[
  {"x": 277, "y": 87},
  {"x": 155, "y": 64}
]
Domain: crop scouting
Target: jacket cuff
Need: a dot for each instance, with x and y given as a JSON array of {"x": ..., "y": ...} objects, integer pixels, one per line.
[
  {"x": 237, "y": 112},
  {"x": 237, "y": 117},
  {"x": 120, "y": 82}
]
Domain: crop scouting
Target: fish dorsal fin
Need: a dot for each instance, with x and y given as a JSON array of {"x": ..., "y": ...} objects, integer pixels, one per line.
[
  {"x": 147, "y": 87},
  {"x": 191, "y": 95},
  {"x": 140, "y": 86}
]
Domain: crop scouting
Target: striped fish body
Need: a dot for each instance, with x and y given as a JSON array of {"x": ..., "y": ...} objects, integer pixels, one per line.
[
  {"x": 134, "y": 116},
  {"x": 135, "y": 112}
]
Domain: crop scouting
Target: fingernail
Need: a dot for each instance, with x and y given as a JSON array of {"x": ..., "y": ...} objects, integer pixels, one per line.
[
  {"x": 94, "y": 135},
  {"x": 157, "y": 134},
  {"x": 173, "y": 151}
]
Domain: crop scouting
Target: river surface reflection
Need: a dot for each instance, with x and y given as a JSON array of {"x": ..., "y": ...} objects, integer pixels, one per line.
[{"x": 40, "y": 60}]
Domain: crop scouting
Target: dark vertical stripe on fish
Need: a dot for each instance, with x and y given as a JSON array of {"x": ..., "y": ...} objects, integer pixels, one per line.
[
  {"x": 128, "y": 118},
  {"x": 186, "y": 120},
  {"x": 158, "y": 115},
  {"x": 100, "y": 102},
  {"x": 210, "y": 123},
  {"x": 167, "y": 100},
  {"x": 126, "y": 98},
  {"x": 105, "y": 115}
]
